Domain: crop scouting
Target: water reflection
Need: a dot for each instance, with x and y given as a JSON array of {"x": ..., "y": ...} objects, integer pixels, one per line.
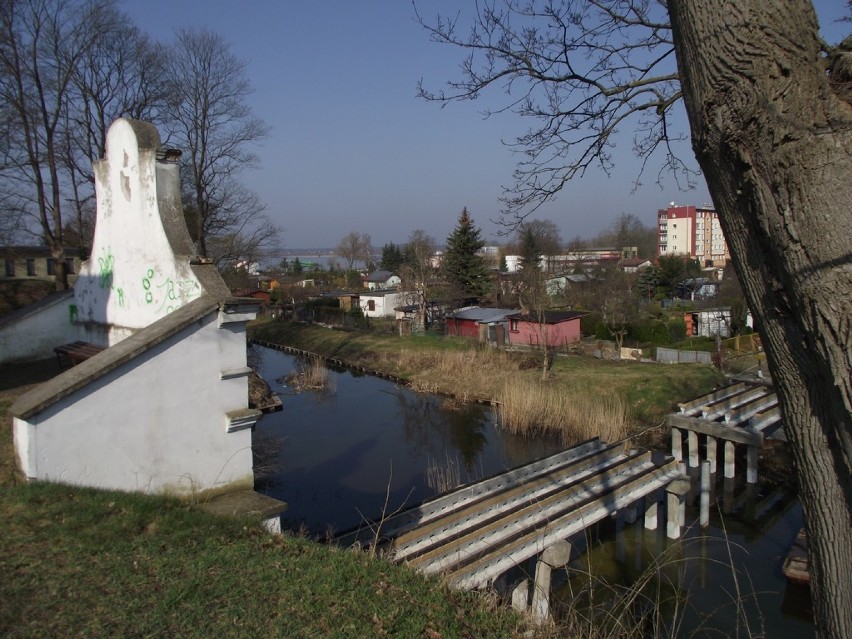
[{"x": 338, "y": 459}]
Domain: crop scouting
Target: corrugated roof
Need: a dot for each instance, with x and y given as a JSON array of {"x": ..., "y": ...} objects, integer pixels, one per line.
[{"x": 484, "y": 315}]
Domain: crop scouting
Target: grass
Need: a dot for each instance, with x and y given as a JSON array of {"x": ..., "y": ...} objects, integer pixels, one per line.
[
  {"x": 458, "y": 367},
  {"x": 530, "y": 407},
  {"x": 77, "y": 562}
]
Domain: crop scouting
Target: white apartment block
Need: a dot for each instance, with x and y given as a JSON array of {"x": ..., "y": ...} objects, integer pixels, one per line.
[{"x": 692, "y": 231}]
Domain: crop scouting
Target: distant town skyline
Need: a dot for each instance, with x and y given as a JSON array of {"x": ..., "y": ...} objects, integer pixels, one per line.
[{"x": 353, "y": 149}]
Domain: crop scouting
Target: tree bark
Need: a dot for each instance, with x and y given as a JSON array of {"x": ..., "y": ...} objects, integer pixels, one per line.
[{"x": 775, "y": 145}]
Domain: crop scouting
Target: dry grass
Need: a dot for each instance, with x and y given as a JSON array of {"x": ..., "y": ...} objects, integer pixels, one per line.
[
  {"x": 311, "y": 375},
  {"x": 443, "y": 477},
  {"x": 530, "y": 407}
]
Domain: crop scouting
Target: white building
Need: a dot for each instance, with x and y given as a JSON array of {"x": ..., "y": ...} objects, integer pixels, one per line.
[{"x": 693, "y": 232}]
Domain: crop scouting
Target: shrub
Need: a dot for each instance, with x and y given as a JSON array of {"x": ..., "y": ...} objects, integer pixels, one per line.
[{"x": 677, "y": 330}]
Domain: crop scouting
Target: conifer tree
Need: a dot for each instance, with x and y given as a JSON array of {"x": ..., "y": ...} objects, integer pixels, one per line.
[{"x": 463, "y": 267}]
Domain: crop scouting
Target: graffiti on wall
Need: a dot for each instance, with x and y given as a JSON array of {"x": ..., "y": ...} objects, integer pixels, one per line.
[
  {"x": 166, "y": 294},
  {"x": 106, "y": 275}
]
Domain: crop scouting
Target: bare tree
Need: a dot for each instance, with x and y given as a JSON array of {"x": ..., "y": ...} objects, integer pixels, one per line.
[
  {"x": 121, "y": 75},
  {"x": 42, "y": 43},
  {"x": 771, "y": 126},
  {"x": 353, "y": 247},
  {"x": 541, "y": 236},
  {"x": 214, "y": 126},
  {"x": 417, "y": 272}
]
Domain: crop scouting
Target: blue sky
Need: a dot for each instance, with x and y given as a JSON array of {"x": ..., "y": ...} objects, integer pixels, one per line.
[{"x": 353, "y": 149}]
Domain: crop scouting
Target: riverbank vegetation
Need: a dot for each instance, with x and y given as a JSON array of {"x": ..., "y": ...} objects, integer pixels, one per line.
[{"x": 582, "y": 397}]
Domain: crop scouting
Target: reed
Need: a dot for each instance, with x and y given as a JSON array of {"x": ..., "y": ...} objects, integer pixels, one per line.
[
  {"x": 443, "y": 477},
  {"x": 528, "y": 407},
  {"x": 312, "y": 374}
]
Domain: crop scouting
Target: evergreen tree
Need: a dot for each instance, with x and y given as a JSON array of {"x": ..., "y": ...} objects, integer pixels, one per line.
[
  {"x": 463, "y": 267},
  {"x": 391, "y": 258}
]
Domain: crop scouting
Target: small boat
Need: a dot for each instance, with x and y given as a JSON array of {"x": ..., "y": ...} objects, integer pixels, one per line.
[{"x": 795, "y": 566}]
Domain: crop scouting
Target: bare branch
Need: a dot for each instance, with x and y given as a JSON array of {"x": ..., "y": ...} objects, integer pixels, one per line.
[{"x": 582, "y": 70}]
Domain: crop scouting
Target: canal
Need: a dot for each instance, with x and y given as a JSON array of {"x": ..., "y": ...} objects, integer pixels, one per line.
[{"x": 366, "y": 446}]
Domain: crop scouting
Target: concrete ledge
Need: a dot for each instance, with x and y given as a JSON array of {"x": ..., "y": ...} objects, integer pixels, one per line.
[{"x": 242, "y": 503}]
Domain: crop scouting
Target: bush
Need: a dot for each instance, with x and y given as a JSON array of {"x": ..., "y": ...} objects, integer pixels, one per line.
[
  {"x": 602, "y": 331},
  {"x": 677, "y": 330},
  {"x": 589, "y": 323}
]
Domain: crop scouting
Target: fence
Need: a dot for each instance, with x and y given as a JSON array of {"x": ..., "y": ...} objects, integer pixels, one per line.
[{"x": 675, "y": 356}]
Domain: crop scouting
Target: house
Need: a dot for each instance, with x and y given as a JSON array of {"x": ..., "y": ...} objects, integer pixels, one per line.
[
  {"x": 710, "y": 322},
  {"x": 634, "y": 264},
  {"x": 380, "y": 303},
  {"x": 488, "y": 325},
  {"x": 555, "y": 328},
  {"x": 35, "y": 262},
  {"x": 559, "y": 284},
  {"x": 378, "y": 280}
]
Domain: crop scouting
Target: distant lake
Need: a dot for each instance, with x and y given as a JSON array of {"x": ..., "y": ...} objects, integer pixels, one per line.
[{"x": 323, "y": 261}]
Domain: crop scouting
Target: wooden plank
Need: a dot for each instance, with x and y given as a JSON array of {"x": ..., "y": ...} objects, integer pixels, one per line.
[
  {"x": 467, "y": 546},
  {"x": 486, "y": 568},
  {"x": 434, "y": 508},
  {"x": 717, "y": 409},
  {"x": 695, "y": 405},
  {"x": 762, "y": 421},
  {"x": 744, "y": 412},
  {"x": 540, "y": 492},
  {"x": 730, "y": 433}
]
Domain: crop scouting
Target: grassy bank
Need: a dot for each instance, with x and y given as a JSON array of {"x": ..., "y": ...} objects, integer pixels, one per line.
[
  {"x": 87, "y": 563},
  {"x": 645, "y": 391}
]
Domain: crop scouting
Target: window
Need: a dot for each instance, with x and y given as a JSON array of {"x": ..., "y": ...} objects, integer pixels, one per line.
[
  {"x": 513, "y": 325},
  {"x": 31, "y": 267},
  {"x": 51, "y": 266},
  {"x": 10, "y": 268},
  {"x": 371, "y": 305},
  {"x": 69, "y": 265}
]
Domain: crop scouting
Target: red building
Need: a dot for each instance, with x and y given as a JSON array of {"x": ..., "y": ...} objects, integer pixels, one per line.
[{"x": 555, "y": 328}]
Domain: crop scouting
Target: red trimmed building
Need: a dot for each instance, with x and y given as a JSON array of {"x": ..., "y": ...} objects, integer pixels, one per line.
[{"x": 692, "y": 231}]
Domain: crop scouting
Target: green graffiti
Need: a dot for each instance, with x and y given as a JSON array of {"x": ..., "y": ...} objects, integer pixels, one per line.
[
  {"x": 107, "y": 265},
  {"x": 120, "y": 292},
  {"x": 169, "y": 293},
  {"x": 72, "y": 313},
  {"x": 146, "y": 284}
]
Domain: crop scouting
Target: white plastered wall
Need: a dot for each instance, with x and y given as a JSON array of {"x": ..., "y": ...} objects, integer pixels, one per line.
[
  {"x": 156, "y": 424},
  {"x": 135, "y": 274}
]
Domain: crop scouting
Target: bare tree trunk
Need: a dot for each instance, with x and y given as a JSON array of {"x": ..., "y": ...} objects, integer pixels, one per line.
[{"x": 775, "y": 144}]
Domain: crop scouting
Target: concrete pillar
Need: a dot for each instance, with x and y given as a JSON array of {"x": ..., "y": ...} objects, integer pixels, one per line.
[
  {"x": 630, "y": 514},
  {"x": 677, "y": 444},
  {"x": 651, "y": 508},
  {"x": 692, "y": 448},
  {"x": 676, "y": 493},
  {"x": 728, "y": 495},
  {"x": 730, "y": 456},
  {"x": 711, "y": 453},
  {"x": 553, "y": 557},
  {"x": 704, "y": 516},
  {"x": 521, "y": 596},
  {"x": 751, "y": 467}
]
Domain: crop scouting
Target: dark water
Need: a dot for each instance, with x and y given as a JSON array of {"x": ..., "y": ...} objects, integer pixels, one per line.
[
  {"x": 363, "y": 447},
  {"x": 345, "y": 455},
  {"x": 722, "y": 581}
]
